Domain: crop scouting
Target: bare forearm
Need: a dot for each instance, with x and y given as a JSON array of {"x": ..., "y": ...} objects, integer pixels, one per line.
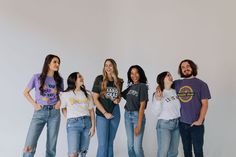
[
  {"x": 28, "y": 97},
  {"x": 141, "y": 113},
  {"x": 203, "y": 110},
  {"x": 64, "y": 112},
  {"x": 100, "y": 107},
  {"x": 98, "y": 104},
  {"x": 92, "y": 116},
  {"x": 202, "y": 114}
]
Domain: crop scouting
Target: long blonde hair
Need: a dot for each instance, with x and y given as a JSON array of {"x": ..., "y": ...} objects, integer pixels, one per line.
[{"x": 117, "y": 82}]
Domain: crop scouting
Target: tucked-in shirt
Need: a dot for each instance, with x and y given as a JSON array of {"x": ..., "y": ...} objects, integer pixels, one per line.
[
  {"x": 50, "y": 96},
  {"x": 135, "y": 94},
  {"x": 191, "y": 92},
  {"x": 168, "y": 107},
  {"x": 76, "y": 103},
  {"x": 110, "y": 95}
]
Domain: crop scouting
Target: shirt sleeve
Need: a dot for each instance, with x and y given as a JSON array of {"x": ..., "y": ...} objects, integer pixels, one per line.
[
  {"x": 205, "y": 92},
  {"x": 97, "y": 85},
  {"x": 143, "y": 93},
  {"x": 124, "y": 93},
  {"x": 63, "y": 100},
  {"x": 156, "y": 106},
  {"x": 31, "y": 83},
  {"x": 90, "y": 102}
]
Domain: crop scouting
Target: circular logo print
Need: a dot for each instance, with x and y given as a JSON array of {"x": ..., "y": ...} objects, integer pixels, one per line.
[{"x": 185, "y": 94}]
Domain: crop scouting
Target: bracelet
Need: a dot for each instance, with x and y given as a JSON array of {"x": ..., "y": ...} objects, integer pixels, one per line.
[{"x": 104, "y": 112}]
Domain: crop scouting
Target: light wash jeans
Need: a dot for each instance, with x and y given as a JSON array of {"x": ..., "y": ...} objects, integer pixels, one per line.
[
  {"x": 106, "y": 132},
  {"x": 168, "y": 137},
  {"x": 45, "y": 116},
  {"x": 135, "y": 148},
  {"x": 78, "y": 135}
]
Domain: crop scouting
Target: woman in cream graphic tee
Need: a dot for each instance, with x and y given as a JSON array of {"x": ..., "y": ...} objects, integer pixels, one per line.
[{"x": 77, "y": 106}]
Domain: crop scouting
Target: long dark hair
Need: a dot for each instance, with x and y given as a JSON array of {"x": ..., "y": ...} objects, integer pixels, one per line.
[
  {"x": 142, "y": 79},
  {"x": 71, "y": 84},
  {"x": 58, "y": 79},
  {"x": 160, "y": 79},
  {"x": 192, "y": 65}
]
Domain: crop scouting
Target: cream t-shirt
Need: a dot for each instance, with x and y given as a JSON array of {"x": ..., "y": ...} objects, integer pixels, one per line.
[{"x": 76, "y": 103}]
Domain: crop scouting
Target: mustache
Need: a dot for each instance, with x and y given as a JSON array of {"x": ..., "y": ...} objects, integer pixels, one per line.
[{"x": 186, "y": 70}]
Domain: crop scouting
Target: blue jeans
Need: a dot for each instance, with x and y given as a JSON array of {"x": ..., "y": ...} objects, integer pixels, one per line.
[
  {"x": 51, "y": 117},
  {"x": 192, "y": 136},
  {"x": 135, "y": 148},
  {"x": 168, "y": 137},
  {"x": 78, "y": 135},
  {"x": 106, "y": 132}
]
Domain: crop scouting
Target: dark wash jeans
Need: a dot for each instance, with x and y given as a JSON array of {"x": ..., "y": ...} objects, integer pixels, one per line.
[{"x": 192, "y": 136}]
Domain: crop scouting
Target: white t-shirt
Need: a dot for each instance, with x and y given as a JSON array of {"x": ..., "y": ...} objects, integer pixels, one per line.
[
  {"x": 76, "y": 103},
  {"x": 168, "y": 107}
]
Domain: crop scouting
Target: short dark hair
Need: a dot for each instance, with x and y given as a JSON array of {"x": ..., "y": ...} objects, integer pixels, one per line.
[{"x": 192, "y": 65}]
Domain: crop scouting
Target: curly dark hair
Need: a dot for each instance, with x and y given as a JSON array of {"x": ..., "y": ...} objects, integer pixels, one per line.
[
  {"x": 143, "y": 78},
  {"x": 192, "y": 65}
]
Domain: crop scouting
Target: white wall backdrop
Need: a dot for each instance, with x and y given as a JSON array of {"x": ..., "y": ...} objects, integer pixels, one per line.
[{"x": 156, "y": 34}]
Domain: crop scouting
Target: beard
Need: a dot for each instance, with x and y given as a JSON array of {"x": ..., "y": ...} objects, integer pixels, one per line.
[{"x": 188, "y": 74}]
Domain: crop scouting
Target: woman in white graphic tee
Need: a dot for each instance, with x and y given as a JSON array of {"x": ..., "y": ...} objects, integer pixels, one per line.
[
  {"x": 166, "y": 107},
  {"x": 77, "y": 106}
]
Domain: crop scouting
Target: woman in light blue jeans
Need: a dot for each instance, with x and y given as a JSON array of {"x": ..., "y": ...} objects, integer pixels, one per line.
[
  {"x": 106, "y": 132},
  {"x": 106, "y": 94},
  {"x": 46, "y": 105},
  {"x": 136, "y": 96},
  {"x": 166, "y": 107},
  {"x": 77, "y": 106}
]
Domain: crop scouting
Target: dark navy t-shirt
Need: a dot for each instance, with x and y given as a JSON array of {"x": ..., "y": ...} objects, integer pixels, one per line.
[{"x": 191, "y": 92}]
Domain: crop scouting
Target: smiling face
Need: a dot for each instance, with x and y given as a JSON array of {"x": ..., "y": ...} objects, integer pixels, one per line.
[
  {"x": 79, "y": 81},
  {"x": 108, "y": 67},
  {"x": 168, "y": 80},
  {"x": 134, "y": 75},
  {"x": 54, "y": 64},
  {"x": 186, "y": 70}
]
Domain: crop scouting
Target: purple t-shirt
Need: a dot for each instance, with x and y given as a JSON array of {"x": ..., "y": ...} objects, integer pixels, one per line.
[
  {"x": 49, "y": 96},
  {"x": 190, "y": 93}
]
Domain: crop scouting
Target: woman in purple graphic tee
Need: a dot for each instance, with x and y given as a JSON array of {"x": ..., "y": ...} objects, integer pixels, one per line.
[{"x": 46, "y": 105}]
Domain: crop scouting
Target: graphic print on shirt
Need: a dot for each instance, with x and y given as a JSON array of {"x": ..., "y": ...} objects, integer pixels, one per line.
[
  {"x": 112, "y": 93},
  {"x": 49, "y": 92},
  {"x": 80, "y": 103},
  {"x": 74, "y": 101},
  {"x": 172, "y": 98},
  {"x": 185, "y": 94},
  {"x": 133, "y": 92}
]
